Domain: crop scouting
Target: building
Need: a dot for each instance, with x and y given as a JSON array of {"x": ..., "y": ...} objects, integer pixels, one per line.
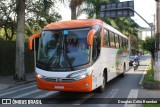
[{"x": 144, "y": 32}]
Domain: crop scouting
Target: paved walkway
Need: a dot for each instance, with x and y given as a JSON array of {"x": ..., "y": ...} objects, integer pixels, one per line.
[{"x": 8, "y": 81}]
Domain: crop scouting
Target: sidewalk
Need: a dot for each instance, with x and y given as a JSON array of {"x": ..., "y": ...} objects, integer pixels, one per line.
[
  {"x": 8, "y": 81},
  {"x": 151, "y": 94}
]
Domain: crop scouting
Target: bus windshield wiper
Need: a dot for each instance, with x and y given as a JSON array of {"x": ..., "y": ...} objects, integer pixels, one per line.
[
  {"x": 52, "y": 57},
  {"x": 65, "y": 53},
  {"x": 68, "y": 59},
  {"x": 55, "y": 58}
]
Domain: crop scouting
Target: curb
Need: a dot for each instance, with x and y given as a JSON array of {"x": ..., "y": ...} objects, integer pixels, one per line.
[
  {"x": 151, "y": 85},
  {"x": 22, "y": 82}
]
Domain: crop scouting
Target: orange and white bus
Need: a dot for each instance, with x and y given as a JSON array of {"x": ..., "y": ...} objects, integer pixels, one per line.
[{"x": 79, "y": 55}]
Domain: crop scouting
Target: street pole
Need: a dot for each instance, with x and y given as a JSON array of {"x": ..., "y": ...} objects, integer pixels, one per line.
[
  {"x": 157, "y": 60},
  {"x": 154, "y": 24},
  {"x": 151, "y": 31},
  {"x": 129, "y": 44}
]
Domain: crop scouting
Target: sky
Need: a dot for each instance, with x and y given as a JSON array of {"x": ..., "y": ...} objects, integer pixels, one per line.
[{"x": 146, "y": 8}]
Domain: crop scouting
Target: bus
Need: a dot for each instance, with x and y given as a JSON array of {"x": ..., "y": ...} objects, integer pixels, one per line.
[{"x": 79, "y": 55}]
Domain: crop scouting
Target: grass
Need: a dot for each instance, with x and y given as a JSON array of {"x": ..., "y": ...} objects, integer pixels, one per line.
[
  {"x": 149, "y": 77},
  {"x": 151, "y": 105}
]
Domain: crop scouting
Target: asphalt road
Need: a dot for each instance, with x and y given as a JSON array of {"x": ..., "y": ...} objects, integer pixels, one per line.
[{"x": 119, "y": 88}]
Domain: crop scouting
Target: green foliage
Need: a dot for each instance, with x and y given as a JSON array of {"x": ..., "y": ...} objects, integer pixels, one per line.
[
  {"x": 92, "y": 8},
  {"x": 7, "y": 58},
  {"x": 134, "y": 42},
  {"x": 149, "y": 77},
  {"x": 140, "y": 44},
  {"x": 149, "y": 45},
  {"x": 151, "y": 105},
  {"x": 7, "y": 18},
  {"x": 126, "y": 25},
  {"x": 40, "y": 13}
]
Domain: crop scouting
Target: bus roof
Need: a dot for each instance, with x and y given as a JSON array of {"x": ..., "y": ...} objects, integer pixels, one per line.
[
  {"x": 114, "y": 30},
  {"x": 73, "y": 24},
  {"x": 80, "y": 23}
]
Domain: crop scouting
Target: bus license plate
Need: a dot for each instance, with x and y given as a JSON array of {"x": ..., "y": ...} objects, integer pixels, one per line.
[{"x": 59, "y": 87}]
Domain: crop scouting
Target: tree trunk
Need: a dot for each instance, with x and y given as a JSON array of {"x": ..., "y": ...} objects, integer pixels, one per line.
[
  {"x": 20, "y": 68},
  {"x": 73, "y": 12},
  {"x": 129, "y": 43},
  {"x": 9, "y": 37}
]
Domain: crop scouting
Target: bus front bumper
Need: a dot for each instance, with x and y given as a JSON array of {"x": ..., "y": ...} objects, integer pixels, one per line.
[{"x": 84, "y": 85}]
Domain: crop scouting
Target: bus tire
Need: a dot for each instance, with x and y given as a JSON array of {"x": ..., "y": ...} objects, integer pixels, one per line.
[
  {"x": 103, "y": 86},
  {"x": 124, "y": 70}
]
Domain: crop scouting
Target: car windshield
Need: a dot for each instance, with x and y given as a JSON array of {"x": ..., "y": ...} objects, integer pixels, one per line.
[{"x": 63, "y": 49}]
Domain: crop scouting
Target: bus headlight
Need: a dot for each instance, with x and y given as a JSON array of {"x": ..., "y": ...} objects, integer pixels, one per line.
[
  {"x": 39, "y": 76},
  {"x": 81, "y": 75}
]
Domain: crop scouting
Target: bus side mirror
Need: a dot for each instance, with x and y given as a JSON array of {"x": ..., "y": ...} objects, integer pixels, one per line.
[
  {"x": 90, "y": 37},
  {"x": 31, "y": 41}
]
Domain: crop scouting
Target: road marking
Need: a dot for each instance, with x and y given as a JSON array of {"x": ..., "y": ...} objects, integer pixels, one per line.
[
  {"x": 112, "y": 93},
  {"x": 25, "y": 94},
  {"x": 17, "y": 87},
  {"x": 10, "y": 92},
  {"x": 145, "y": 71},
  {"x": 83, "y": 99},
  {"x": 46, "y": 94},
  {"x": 142, "y": 78},
  {"x": 133, "y": 94}
]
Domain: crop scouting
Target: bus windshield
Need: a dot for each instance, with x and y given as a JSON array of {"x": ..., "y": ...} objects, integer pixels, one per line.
[{"x": 63, "y": 49}]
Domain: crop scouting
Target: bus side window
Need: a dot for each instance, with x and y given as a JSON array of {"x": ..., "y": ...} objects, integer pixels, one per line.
[
  {"x": 112, "y": 40},
  {"x": 124, "y": 43},
  {"x": 121, "y": 41},
  {"x": 127, "y": 42},
  {"x": 96, "y": 45},
  {"x": 94, "y": 50},
  {"x": 106, "y": 38},
  {"x": 116, "y": 41}
]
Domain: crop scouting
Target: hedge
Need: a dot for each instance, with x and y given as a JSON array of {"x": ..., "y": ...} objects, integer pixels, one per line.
[{"x": 7, "y": 58}]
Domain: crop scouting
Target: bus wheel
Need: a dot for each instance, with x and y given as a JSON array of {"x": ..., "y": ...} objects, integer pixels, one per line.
[
  {"x": 124, "y": 70},
  {"x": 103, "y": 86}
]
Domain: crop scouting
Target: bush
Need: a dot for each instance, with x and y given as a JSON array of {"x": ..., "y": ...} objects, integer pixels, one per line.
[
  {"x": 149, "y": 45},
  {"x": 7, "y": 58}
]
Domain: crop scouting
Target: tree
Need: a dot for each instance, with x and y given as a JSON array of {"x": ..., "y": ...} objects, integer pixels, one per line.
[
  {"x": 149, "y": 45},
  {"x": 20, "y": 68},
  {"x": 74, "y": 4},
  {"x": 92, "y": 9},
  {"x": 39, "y": 13},
  {"x": 7, "y": 18}
]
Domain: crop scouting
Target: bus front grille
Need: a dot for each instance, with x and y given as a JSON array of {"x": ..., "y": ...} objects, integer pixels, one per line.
[{"x": 58, "y": 80}]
